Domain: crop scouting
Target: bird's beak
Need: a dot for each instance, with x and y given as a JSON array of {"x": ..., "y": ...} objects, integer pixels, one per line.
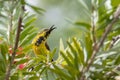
[{"x": 52, "y": 28}]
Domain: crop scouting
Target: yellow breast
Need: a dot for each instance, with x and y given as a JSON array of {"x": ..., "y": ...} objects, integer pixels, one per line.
[{"x": 41, "y": 49}]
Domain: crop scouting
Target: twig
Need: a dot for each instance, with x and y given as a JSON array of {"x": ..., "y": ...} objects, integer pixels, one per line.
[
  {"x": 114, "y": 40},
  {"x": 93, "y": 25},
  {"x": 113, "y": 71},
  {"x": 15, "y": 48},
  {"x": 99, "y": 44},
  {"x": 10, "y": 25}
]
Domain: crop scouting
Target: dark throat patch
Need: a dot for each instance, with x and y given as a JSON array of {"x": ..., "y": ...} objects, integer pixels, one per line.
[
  {"x": 39, "y": 41},
  {"x": 47, "y": 34}
]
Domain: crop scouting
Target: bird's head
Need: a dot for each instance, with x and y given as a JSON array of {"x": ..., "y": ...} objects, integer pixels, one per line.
[
  {"x": 42, "y": 36},
  {"x": 46, "y": 32}
]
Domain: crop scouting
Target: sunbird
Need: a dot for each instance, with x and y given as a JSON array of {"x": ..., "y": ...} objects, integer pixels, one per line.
[{"x": 40, "y": 46}]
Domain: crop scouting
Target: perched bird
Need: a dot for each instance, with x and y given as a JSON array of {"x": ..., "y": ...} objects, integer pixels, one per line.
[{"x": 40, "y": 46}]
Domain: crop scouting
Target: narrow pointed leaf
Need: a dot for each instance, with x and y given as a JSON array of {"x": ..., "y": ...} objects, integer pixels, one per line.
[{"x": 66, "y": 58}]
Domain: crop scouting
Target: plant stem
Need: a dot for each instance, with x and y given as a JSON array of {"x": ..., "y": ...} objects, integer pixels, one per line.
[
  {"x": 15, "y": 48},
  {"x": 10, "y": 25},
  {"x": 93, "y": 18},
  {"x": 100, "y": 43},
  {"x": 114, "y": 40}
]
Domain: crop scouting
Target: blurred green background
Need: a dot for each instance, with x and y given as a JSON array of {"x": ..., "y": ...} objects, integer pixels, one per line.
[
  {"x": 63, "y": 14},
  {"x": 84, "y": 19}
]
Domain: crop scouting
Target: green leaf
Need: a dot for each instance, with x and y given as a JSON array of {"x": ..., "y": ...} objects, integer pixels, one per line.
[
  {"x": 30, "y": 21},
  {"x": 31, "y": 63},
  {"x": 3, "y": 23},
  {"x": 72, "y": 71},
  {"x": 70, "y": 56},
  {"x": 4, "y": 49},
  {"x": 43, "y": 70},
  {"x": 84, "y": 24},
  {"x": 14, "y": 77},
  {"x": 36, "y": 9},
  {"x": 79, "y": 50},
  {"x": 29, "y": 73},
  {"x": 52, "y": 54},
  {"x": 27, "y": 48},
  {"x": 22, "y": 61},
  {"x": 117, "y": 60},
  {"x": 116, "y": 71},
  {"x": 38, "y": 67},
  {"x": 28, "y": 17},
  {"x": 83, "y": 3},
  {"x": 23, "y": 2},
  {"x": 2, "y": 66},
  {"x": 106, "y": 54},
  {"x": 41, "y": 58},
  {"x": 60, "y": 72},
  {"x": 3, "y": 33},
  {"x": 89, "y": 42},
  {"x": 20, "y": 56},
  {"x": 2, "y": 76},
  {"x": 66, "y": 58},
  {"x": 71, "y": 47},
  {"x": 75, "y": 55},
  {"x": 105, "y": 17},
  {"x": 27, "y": 39},
  {"x": 27, "y": 31},
  {"x": 61, "y": 44},
  {"x": 34, "y": 78},
  {"x": 115, "y": 3}
]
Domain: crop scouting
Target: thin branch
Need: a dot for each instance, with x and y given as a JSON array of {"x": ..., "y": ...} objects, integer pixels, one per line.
[
  {"x": 93, "y": 25},
  {"x": 10, "y": 25},
  {"x": 114, "y": 40},
  {"x": 113, "y": 71},
  {"x": 15, "y": 48},
  {"x": 99, "y": 44}
]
